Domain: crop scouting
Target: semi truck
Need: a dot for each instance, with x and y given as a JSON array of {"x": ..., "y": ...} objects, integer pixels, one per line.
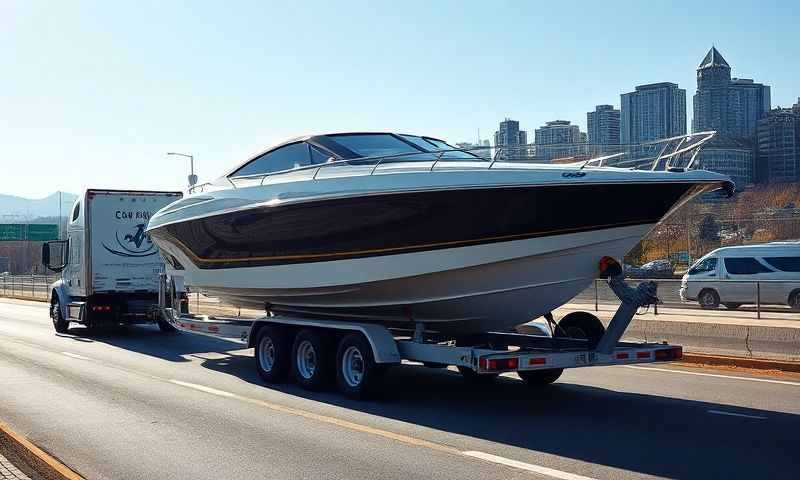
[{"x": 109, "y": 266}]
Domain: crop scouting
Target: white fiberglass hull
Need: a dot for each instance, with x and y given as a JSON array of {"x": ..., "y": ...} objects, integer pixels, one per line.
[{"x": 475, "y": 288}]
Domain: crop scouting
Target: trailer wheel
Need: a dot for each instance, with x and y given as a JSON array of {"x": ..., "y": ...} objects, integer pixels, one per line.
[
  {"x": 794, "y": 300},
  {"x": 165, "y": 326},
  {"x": 581, "y": 325},
  {"x": 731, "y": 305},
  {"x": 312, "y": 359},
  {"x": 273, "y": 357},
  {"x": 538, "y": 378},
  {"x": 356, "y": 370},
  {"x": 472, "y": 376},
  {"x": 60, "y": 324}
]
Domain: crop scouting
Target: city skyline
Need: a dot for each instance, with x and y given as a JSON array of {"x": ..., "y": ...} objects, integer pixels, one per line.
[{"x": 100, "y": 92}]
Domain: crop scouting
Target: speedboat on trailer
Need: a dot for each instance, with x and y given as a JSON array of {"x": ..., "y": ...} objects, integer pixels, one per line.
[{"x": 389, "y": 228}]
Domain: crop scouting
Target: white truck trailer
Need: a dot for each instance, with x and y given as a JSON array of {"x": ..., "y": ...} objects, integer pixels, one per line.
[
  {"x": 109, "y": 266},
  {"x": 320, "y": 352}
]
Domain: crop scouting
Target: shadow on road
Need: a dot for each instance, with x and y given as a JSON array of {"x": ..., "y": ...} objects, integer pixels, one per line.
[
  {"x": 650, "y": 434},
  {"x": 654, "y": 435}
]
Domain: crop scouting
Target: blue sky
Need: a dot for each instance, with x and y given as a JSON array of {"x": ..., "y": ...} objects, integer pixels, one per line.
[{"x": 92, "y": 94}]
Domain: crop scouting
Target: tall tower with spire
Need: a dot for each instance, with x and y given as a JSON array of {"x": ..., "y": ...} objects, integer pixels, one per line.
[
  {"x": 731, "y": 106},
  {"x": 711, "y": 99}
]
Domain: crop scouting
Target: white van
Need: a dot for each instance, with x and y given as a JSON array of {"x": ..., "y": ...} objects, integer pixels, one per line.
[{"x": 733, "y": 276}]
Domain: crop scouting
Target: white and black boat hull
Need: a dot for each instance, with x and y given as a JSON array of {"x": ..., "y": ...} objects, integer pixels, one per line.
[{"x": 471, "y": 259}]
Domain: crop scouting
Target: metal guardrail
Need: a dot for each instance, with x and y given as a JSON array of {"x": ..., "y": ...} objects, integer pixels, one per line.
[
  {"x": 669, "y": 295},
  {"x": 26, "y": 286}
]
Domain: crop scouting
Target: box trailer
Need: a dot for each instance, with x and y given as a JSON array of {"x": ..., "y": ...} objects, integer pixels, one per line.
[{"x": 109, "y": 266}]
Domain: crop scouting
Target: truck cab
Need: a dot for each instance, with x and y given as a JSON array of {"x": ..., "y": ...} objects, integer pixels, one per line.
[{"x": 109, "y": 266}]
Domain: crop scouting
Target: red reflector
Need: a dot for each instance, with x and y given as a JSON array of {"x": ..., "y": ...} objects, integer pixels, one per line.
[
  {"x": 537, "y": 361},
  {"x": 622, "y": 356},
  {"x": 513, "y": 363},
  {"x": 670, "y": 354},
  {"x": 502, "y": 364},
  {"x": 642, "y": 354}
]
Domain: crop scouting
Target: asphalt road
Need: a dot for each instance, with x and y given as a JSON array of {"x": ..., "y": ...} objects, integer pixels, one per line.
[{"x": 139, "y": 404}]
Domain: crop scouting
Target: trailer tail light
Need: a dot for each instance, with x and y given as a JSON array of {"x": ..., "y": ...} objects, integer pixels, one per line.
[
  {"x": 500, "y": 363},
  {"x": 642, "y": 354},
  {"x": 623, "y": 356},
  {"x": 101, "y": 308},
  {"x": 537, "y": 361},
  {"x": 674, "y": 353}
]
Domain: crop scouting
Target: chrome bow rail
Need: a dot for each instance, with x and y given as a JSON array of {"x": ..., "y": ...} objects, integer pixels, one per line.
[{"x": 669, "y": 154}]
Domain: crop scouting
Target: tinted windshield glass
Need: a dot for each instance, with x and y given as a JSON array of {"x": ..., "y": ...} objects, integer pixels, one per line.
[
  {"x": 785, "y": 264},
  {"x": 744, "y": 266},
  {"x": 284, "y": 158},
  {"x": 707, "y": 265},
  {"x": 374, "y": 145},
  {"x": 431, "y": 144}
]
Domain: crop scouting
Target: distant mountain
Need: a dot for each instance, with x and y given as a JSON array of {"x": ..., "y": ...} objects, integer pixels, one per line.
[{"x": 18, "y": 209}]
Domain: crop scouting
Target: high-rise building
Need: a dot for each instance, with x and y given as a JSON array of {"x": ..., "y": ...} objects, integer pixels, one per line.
[
  {"x": 559, "y": 139},
  {"x": 510, "y": 141},
  {"x": 602, "y": 125},
  {"x": 557, "y": 131},
  {"x": 730, "y": 156},
  {"x": 730, "y": 106},
  {"x": 778, "y": 143},
  {"x": 652, "y": 112}
]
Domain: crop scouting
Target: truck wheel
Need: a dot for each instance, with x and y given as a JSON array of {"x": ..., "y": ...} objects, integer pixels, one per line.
[
  {"x": 472, "y": 376},
  {"x": 538, "y": 378},
  {"x": 794, "y": 300},
  {"x": 581, "y": 325},
  {"x": 356, "y": 370},
  {"x": 273, "y": 357},
  {"x": 312, "y": 359},
  {"x": 708, "y": 299},
  {"x": 60, "y": 324}
]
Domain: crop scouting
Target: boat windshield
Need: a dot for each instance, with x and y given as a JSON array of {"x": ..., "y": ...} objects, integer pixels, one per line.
[
  {"x": 375, "y": 144},
  {"x": 433, "y": 144}
]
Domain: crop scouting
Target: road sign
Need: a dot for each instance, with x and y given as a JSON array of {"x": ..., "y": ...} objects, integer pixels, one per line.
[{"x": 41, "y": 232}]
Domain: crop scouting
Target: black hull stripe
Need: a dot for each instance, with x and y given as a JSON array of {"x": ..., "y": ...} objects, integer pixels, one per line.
[{"x": 398, "y": 223}]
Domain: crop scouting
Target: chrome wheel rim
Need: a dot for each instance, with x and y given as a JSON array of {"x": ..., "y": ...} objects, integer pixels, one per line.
[
  {"x": 352, "y": 366},
  {"x": 708, "y": 299},
  {"x": 266, "y": 354},
  {"x": 306, "y": 359}
]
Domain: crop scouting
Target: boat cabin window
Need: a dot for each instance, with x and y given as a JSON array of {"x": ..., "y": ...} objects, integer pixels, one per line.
[
  {"x": 784, "y": 264},
  {"x": 283, "y": 158},
  {"x": 744, "y": 266},
  {"x": 374, "y": 144},
  {"x": 704, "y": 266}
]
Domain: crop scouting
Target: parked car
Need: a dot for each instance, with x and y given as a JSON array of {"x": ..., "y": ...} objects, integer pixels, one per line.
[
  {"x": 733, "y": 276},
  {"x": 655, "y": 269}
]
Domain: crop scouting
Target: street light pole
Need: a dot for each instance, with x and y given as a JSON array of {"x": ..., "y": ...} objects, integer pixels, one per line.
[{"x": 192, "y": 176}]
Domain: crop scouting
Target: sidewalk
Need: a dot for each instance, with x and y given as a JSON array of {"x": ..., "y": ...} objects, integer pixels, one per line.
[{"x": 9, "y": 472}]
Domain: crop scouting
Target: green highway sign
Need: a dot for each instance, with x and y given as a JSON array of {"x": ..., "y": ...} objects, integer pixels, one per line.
[{"x": 37, "y": 232}]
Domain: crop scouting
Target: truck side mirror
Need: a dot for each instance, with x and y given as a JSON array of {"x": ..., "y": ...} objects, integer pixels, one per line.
[{"x": 55, "y": 255}]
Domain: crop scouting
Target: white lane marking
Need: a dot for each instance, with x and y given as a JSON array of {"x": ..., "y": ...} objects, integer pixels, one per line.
[
  {"x": 75, "y": 355},
  {"x": 734, "y": 414},
  {"x": 525, "y": 466},
  {"x": 716, "y": 375},
  {"x": 203, "y": 388}
]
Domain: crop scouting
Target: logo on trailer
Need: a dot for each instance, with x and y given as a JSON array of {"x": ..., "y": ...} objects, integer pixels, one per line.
[{"x": 134, "y": 244}]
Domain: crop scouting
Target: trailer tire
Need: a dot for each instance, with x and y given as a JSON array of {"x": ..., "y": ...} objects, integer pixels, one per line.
[
  {"x": 731, "y": 305},
  {"x": 313, "y": 359},
  {"x": 794, "y": 300},
  {"x": 581, "y": 325},
  {"x": 60, "y": 324},
  {"x": 538, "y": 378},
  {"x": 273, "y": 354},
  {"x": 357, "y": 373}
]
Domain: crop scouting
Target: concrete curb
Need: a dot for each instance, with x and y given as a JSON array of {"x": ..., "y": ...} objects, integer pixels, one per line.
[
  {"x": 741, "y": 362},
  {"x": 44, "y": 463}
]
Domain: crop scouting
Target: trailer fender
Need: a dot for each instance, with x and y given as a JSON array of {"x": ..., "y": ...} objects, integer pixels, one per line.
[
  {"x": 384, "y": 347},
  {"x": 58, "y": 290}
]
